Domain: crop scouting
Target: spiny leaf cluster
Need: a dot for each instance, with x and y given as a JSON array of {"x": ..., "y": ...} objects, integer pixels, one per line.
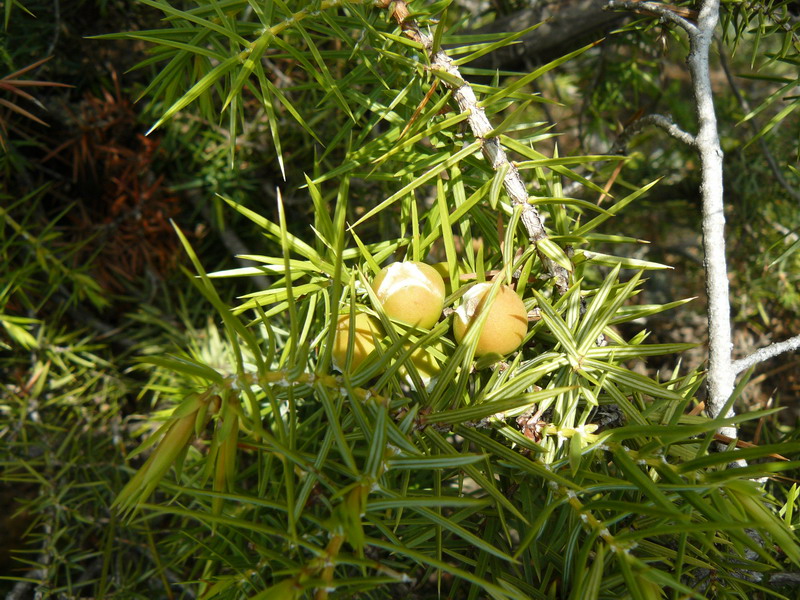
[{"x": 558, "y": 471}]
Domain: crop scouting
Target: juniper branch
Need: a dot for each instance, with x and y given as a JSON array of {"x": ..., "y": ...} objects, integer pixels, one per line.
[
  {"x": 721, "y": 374},
  {"x": 720, "y": 361},
  {"x": 662, "y": 122},
  {"x": 763, "y": 354},
  {"x": 491, "y": 147},
  {"x": 665, "y": 12}
]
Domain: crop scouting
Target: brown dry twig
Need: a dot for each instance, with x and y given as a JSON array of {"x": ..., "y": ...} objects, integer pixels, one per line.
[{"x": 12, "y": 83}]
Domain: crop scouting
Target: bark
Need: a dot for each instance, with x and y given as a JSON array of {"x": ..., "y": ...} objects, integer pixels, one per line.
[{"x": 566, "y": 26}]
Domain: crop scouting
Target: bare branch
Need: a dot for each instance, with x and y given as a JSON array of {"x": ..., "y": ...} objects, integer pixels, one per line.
[
  {"x": 491, "y": 147},
  {"x": 721, "y": 375},
  {"x": 766, "y": 353},
  {"x": 660, "y": 121},
  {"x": 663, "y": 11}
]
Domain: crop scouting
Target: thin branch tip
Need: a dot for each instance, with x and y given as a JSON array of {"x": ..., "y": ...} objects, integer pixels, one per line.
[
  {"x": 766, "y": 353},
  {"x": 663, "y": 122},
  {"x": 676, "y": 15}
]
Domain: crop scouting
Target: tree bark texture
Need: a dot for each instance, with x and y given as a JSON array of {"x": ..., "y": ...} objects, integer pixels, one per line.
[{"x": 566, "y": 26}]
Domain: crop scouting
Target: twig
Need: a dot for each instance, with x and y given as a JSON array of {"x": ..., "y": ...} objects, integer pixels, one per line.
[
  {"x": 275, "y": 70},
  {"x": 766, "y": 353},
  {"x": 722, "y": 370},
  {"x": 791, "y": 236},
  {"x": 761, "y": 142},
  {"x": 721, "y": 375},
  {"x": 561, "y": 28},
  {"x": 786, "y": 578},
  {"x": 40, "y": 575},
  {"x": 491, "y": 148},
  {"x": 656, "y": 120},
  {"x": 720, "y": 367},
  {"x": 663, "y": 11}
]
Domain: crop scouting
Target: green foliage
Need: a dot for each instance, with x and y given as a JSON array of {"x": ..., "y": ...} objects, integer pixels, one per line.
[
  {"x": 776, "y": 44},
  {"x": 36, "y": 274},
  {"x": 560, "y": 471}
]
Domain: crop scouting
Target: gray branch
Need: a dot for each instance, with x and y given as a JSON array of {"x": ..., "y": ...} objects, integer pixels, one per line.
[
  {"x": 766, "y": 353},
  {"x": 660, "y": 121},
  {"x": 491, "y": 147},
  {"x": 721, "y": 376},
  {"x": 662, "y": 11},
  {"x": 564, "y": 26}
]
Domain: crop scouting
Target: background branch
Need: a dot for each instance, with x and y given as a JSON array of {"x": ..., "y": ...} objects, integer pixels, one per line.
[
  {"x": 720, "y": 368},
  {"x": 656, "y": 120},
  {"x": 566, "y": 25},
  {"x": 766, "y": 353},
  {"x": 665, "y": 12},
  {"x": 721, "y": 375}
]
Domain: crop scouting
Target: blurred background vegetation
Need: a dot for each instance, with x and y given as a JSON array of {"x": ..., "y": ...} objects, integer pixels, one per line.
[{"x": 91, "y": 277}]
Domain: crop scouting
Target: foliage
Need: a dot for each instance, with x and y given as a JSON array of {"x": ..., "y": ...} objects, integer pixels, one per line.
[{"x": 560, "y": 471}]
